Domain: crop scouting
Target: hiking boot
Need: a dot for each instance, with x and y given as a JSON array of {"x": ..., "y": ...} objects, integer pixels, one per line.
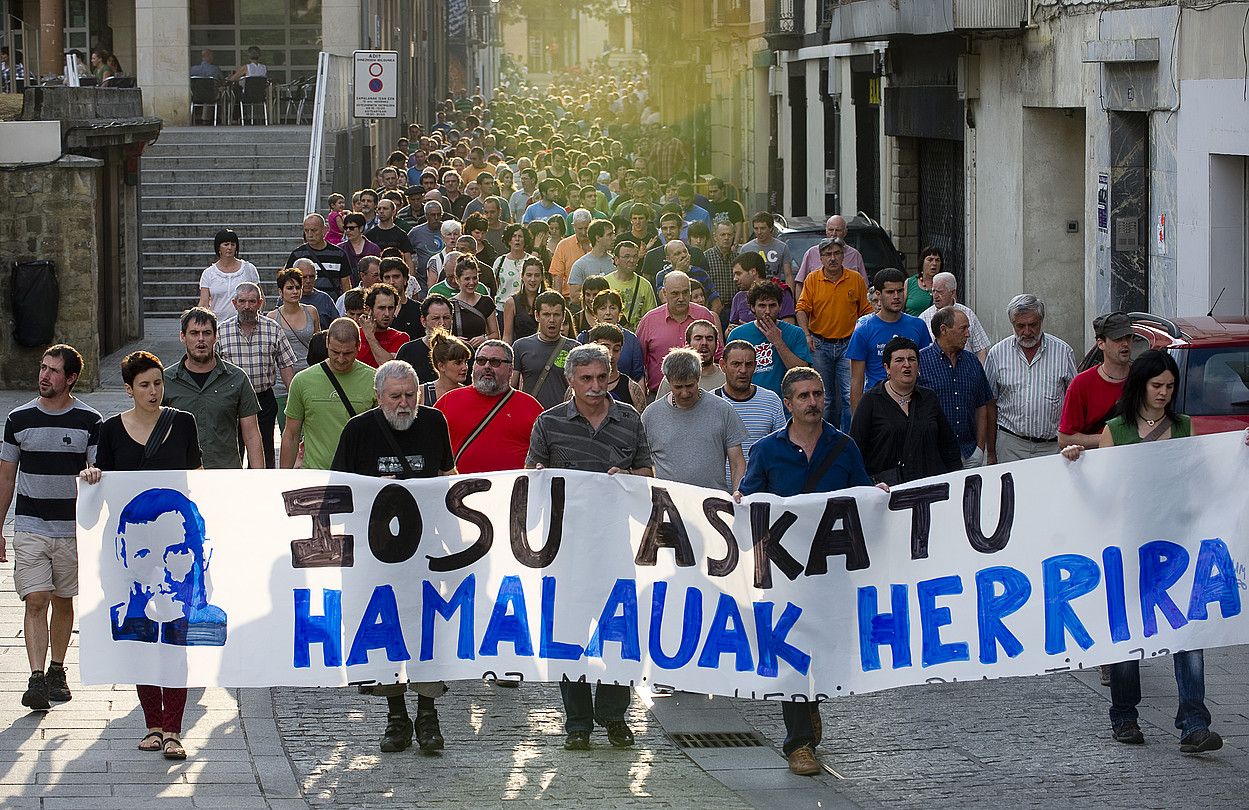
[
  {"x": 577, "y": 741},
  {"x": 398, "y": 733},
  {"x": 36, "y": 696},
  {"x": 802, "y": 761},
  {"x": 58, "y": 689},
  {"x": 619, "y": 734},
  {"x": 1129, "y": 734},
  {"x": 1200, "y": 742},
  {"x": 428, "y": 732}
]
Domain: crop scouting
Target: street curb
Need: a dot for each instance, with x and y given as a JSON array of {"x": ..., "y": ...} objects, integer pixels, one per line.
[{"x": 275, "y": 773}]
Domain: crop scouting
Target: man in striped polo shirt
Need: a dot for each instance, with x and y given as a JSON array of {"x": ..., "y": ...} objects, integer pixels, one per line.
[
  {"x": 1028, "y": 374},
  {"x": 47, "y": 442},
  {"x": 594, "y": 433}
]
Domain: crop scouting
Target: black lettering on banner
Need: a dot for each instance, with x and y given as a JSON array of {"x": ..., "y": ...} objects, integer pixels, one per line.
[
  {"x": 997, "y": 541},
  {"x": 846, "y": 540},
  {"x": 767, "y": 543},
  {"x": 324, "y": 549},
  {"x": 485, "y": 537},
  {"x": 664, "y": 529},
  {"x": 394, "y": 504},
  {"x": 919, "y": 500},
  {"x": 712, "y": 508},
  {"x": 519, "y": 518}
]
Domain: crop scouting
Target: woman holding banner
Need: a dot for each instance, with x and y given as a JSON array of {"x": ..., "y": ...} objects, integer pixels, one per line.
[
  {"x": 1146, "y": 414},
  {"x": 150, "y": 437}
]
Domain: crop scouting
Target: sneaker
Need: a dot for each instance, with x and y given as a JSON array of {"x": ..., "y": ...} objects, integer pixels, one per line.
[
  {"x": 398, "y": 733},
  {"x": 619, "y": 734},
  {"x": 1200, "y": 742},
  {"x": 36, "y": 696},
  {"x": 1105, "y": 673},
  {"x": 58, "y": 689},
  {"x": 428, "y": 732},
  {"x": 577, "y": 741},
  {"x": 1129, "y": 734},
  {"x": 802, "y": 761}
]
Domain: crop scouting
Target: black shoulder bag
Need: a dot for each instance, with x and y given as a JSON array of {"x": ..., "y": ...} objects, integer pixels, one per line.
[
  {"x": 164, "y": 423},
  {"x": 338, "y": 388}
]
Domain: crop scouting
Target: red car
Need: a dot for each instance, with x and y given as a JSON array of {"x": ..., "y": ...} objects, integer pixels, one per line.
[{"x": 1213, "y": 355}]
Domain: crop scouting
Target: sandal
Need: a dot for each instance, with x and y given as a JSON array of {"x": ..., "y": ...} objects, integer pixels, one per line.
[
  {"x": 173, "y": 748},
  {"x": 156, "y": 737}
]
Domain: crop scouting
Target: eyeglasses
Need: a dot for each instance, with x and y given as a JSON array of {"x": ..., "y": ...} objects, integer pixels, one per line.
[
  {"x": 351, "y": 227},
  {"x": 493, "y": 362}
]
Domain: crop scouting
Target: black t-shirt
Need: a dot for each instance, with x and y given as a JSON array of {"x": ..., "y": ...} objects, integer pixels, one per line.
[
  {"x": 389, "y": 237},
  {"x": 364, "y": 450},
  {"x": 200, "y": 377},
  {"x": 408, "y": 320},
  {"x": 179, "y": 451},
  {"x": 331, "y": 262},
  {"x": 416, "y": 353},
  {"x": 729, "y": 211}
]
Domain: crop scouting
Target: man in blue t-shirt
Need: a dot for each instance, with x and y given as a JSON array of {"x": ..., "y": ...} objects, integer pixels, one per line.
[
  {"x": 779, "y": 346},
  {"x": 545, "y": 207},
  {"x": 867, "y": 344}
]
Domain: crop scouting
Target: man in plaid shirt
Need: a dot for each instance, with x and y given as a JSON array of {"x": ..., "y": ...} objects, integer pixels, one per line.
[{"x": 259, "y": 347}]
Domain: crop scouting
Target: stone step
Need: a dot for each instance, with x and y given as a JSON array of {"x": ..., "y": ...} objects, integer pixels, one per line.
[
  {"x": 262, "y": 151},
  {"x": 249, "y": 134},
  {"x": 196, "y": 203},
  {"x": 243, "y": 187},
  {"x": 158, "y": 219},
  {"x": 194, "y": 261},
  {"x": 211, "y": 172},
  {"x": 217, "y": 162},
  {"x": 257, "y": 242}
]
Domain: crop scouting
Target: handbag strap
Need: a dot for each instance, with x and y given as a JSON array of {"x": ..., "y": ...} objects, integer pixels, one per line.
[
  {"x": 633, "y": 300},
  {"x": 1162, "y": 427},
  {"x": 338, "y": 388},
  {"x": 546, "y": 370},
  {"x": 394, "y": 445},
  {"x": 814, "y": 476},
  {"x": 157, "y": 437},
  {"x": 484, "y": 423}
]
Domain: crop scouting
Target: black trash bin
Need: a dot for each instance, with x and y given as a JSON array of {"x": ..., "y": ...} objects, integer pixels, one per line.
[{"x": 36, "y": 299}]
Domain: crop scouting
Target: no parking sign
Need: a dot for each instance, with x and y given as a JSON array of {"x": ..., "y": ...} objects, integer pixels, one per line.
[{"x": 377, "y": 84}]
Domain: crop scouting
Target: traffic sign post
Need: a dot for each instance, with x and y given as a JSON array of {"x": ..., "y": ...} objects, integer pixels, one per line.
[{"x": 376, "y": 91}]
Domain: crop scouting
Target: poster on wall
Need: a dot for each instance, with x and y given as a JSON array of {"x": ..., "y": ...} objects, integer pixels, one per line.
[{"x": 1103, "y": 202}]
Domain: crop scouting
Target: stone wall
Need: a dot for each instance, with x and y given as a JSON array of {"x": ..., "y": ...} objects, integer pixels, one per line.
[
  {"x": 50, "y": 214},
  {"x": 904, "y": 187}
]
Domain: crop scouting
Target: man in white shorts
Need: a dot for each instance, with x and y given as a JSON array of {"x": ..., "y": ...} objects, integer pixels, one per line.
[{"x": 47, "y": 442}]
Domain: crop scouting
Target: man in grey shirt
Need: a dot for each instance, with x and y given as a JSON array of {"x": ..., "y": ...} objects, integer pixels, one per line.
[
  {"x": 692, "y": 432},
  {"x": 539, "y": 367},
  {"x": 775, "y": 252},
  {"x": 598, "y": 262}
]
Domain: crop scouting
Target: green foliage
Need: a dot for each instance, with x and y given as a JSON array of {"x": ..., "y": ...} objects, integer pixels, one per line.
[{"x": 546, "y": 10}]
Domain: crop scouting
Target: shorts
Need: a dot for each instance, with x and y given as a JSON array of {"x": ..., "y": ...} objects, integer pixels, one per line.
[{"x": 42, "y": 563}]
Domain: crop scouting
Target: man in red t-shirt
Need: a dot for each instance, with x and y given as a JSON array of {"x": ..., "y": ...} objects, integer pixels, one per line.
[
  {"x": 378, "y": 342},
  {"x": 504, "y": 442},
  {"x": 1093, "y": 393}
]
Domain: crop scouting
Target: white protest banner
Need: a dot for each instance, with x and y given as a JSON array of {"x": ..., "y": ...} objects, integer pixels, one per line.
[{"x": 303, "y": 578}]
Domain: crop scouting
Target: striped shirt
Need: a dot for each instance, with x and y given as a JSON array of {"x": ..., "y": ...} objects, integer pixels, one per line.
[
  {"x": 1030, "y": 394},
  {"x": 564, "y": 439},
  {"x": 762, "y": 414},
  {"x": 49, "y": 449},
  {"x": 260, "y": 354}
]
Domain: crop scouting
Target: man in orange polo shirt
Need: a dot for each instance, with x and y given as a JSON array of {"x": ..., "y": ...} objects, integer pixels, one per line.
[{"x": 830, "y": 303}]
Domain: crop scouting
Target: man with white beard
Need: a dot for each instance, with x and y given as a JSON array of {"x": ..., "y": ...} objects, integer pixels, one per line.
[{"x": 400, "y": 439}]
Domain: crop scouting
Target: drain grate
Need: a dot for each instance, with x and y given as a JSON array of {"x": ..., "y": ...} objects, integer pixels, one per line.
[{"x": 718, "y": 739}]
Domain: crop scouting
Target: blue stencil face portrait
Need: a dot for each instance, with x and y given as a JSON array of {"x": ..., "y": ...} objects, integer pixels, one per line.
[{"x": 162, "y": 545}]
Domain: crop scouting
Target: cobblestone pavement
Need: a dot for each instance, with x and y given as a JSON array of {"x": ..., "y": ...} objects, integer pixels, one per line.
[{"x": 504, "y": 747}]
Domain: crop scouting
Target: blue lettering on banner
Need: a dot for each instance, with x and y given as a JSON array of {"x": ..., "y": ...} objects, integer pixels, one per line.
[
  {"x": 992, "y": 607},
  {"x": 1066, "y": 577},
  {"x": 933, "y": 618},
  {"x": 727, "y": 635},
  {"x": 326, "y": 629},
  {"x": 691, "y": 627},
  {"x": 772, "y": 643},
  {"x": 1116, "y": 601},
  {"x": 1214, "y": 580},
  {"x": 508, "y": 626},
  {"x": 618, "y": 622},
  {"x": 1162, "y": 565},
  {"x": 876, "y": 629},
  {"x": 548, "y": 647},
  {"x": 379, "y": 629},
  {"x": 462, "y": 601}
]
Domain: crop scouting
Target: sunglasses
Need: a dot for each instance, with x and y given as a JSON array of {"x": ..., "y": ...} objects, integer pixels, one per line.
[{"x": 493, "y": 362}]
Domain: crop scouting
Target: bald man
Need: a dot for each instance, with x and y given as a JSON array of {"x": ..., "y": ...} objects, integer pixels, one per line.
[
  {"x": 834, "y": 226},
  {"x": 677, "y": 257},
  {"x": 333, "y": 271}
]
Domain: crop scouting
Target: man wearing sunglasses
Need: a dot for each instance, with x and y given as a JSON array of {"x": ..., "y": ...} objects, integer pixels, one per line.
[{"x": 490, "y": 421}]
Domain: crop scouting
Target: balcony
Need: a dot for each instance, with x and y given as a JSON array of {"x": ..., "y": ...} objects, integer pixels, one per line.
[
  {"x": 875, "y": 19},
  {"x": 783, "y": 24},
  {"x": 730, "y": 12}
]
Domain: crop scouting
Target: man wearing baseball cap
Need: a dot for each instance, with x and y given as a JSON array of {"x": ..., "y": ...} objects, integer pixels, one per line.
[{"x": 1094, "y": 392}]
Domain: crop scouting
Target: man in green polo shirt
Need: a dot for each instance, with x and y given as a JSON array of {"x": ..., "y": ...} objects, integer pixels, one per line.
[
  {"x": 217, "y": 392},
  {"x": 314, "y": 405}
]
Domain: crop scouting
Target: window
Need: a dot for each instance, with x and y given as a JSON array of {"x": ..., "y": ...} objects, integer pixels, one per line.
[
  {"x": 287, "y": 32},
  {"x": 1216, "y": 383}
]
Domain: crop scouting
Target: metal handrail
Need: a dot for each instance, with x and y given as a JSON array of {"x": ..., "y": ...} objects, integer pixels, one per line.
[{"x": 330, "y": 115}]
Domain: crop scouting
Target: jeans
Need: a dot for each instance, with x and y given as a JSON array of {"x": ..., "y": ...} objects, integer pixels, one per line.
[
  {"x": 266, "y": 420},
  {"x": 798, "y": 728},
  {"x": 608, "y": 703},
  {"x": 829, "y": 359},
  {"x": 1190, "y": 679}
]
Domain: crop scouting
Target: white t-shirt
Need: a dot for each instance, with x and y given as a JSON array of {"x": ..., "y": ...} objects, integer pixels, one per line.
[{"x": 221, "y": 287}]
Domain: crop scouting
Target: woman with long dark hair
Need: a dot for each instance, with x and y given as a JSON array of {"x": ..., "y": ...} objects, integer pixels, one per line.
[
  {"x": 150, "y": 437},
  {"x": 1147, "y": 413},
  {"x": 520, "y": 315}
]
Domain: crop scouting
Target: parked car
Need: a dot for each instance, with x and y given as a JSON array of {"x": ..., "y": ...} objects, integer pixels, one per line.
[
  {"x": 862, "y": 233},
  {"x": 1212, "y": 352}
]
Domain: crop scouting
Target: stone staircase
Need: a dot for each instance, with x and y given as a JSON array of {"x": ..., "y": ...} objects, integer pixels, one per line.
[{"x": 196, "y": 181}]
